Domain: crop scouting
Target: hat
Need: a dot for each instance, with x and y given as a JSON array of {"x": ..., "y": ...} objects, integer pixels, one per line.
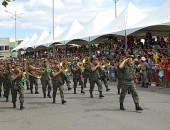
[{"x": 143, "y": 59}]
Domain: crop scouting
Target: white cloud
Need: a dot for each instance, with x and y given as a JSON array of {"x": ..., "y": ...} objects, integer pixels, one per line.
[{"x": 37, "y": 14}]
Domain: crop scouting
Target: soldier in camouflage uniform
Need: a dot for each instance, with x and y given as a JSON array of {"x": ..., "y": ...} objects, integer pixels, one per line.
[
  {"x": 120, "y": 75},
  {"x": 46, "y": 78},
  {"x": 1, "y": 78},
  {"x": 57, "y": 82},
  {"x": 86, "y": 72},
  {"x": 66, "y": 79},
  {"x": 7, "y": 80},
  {"x": 144, "y": 72},
  {"x": 77, "y": 76},
  {"x": 17, "y": 86},
  {"x": 129, "y": 76},
  {"x": 25, "y": 69},
  {"x": 103, "y": 74},
  {"x": 33, "y": 81},
  {"x": 95, "y": 77}
]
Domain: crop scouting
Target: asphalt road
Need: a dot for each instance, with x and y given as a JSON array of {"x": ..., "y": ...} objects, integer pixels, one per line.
[{"x": 83, "y": 113}]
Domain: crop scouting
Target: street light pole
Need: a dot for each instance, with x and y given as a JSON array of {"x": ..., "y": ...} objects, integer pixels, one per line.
[
  {"x": 53, "y": 18},
  {"x": 115, "y": 7}
]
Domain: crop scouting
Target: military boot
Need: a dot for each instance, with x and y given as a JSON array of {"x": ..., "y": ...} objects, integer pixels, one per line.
[
  {"x": 64, "y": 101},
  {"x": 14, "y": 105},
  {"x": 44, "y": 95},
  {"x": 82, "y": 90},
  {"x": 7, "y": 99},
  {"x": 129, "y": 92},
  {"x": 21, "y": 106},
  {"x": 91, "y": 94},
  {"x": 100, "y": 94},
  {"x": 138, "y": 108},
  {"x": 122, "y": 107},
  {"x": 28, "y": 88},
  {"x": 0, "y": 94},
  {"x": 36, "y": 92},
  {"x": 53, "y": 100},
  {"x": 31, "y": 91},
  {"x": 75, "y": 91},
  {"x": 107, "y": 89},
  {"x": 49, "y": 95},
  {"x": 69, "y": 88},
  {"x": 118, "y": 91}
]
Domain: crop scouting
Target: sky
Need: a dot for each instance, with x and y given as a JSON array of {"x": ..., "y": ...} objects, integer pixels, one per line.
[{"x": 34, "y": 16}]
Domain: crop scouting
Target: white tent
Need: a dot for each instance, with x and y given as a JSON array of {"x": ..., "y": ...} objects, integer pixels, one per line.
[
  {"x": 159, "y": 17},
  {"x": 58, "y": 30},
  {"x": 99, "y": 22},
  {"x": 125, "y": 21},
  {"x": 32, "y": 39},
  {"x": 42, "y": 37},
  {"x": 68, "y": 33},
  {"x": 21, "y": 44}
]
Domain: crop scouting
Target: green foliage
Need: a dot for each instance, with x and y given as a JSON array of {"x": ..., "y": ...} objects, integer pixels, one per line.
[{"x": 5, "y": 2}]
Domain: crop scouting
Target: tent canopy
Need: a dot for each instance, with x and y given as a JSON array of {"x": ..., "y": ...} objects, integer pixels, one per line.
[
  {"x": 68, "y": 33},
  {"x": 57, "y": 31},
  {"x": 42, "y": 37},
  {"x": 21, "y": 44}
]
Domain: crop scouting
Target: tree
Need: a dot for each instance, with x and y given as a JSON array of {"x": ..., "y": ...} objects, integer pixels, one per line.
[{"x": 5, "y": 2}]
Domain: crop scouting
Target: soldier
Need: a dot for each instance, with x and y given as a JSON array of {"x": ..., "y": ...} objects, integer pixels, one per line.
[
  {"x": 17, "y": 86},
  {"x": 129, "y": 76},
  {"x": 33, "y": 77},
  {"x": 57, "y": 83},
  {"x": 120, "y": 75},
  {"x": 25, "y": 70},
  {"x": 144, "y": 75},
  {"x": 77, "y": 75},
  {"x": 7, "y": 80},
  {"x": 103, "y": 73},
  {"x": 66, "y": 78},
  {"x": 94, "y": 77},
  {"x": 46, "y": 78},
  {"x": 86, "y": 64},
  {"x": 1, "y": 78}
]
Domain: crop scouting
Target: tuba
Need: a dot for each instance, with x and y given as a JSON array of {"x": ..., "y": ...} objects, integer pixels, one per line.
[{"x": 81, "y": 66}]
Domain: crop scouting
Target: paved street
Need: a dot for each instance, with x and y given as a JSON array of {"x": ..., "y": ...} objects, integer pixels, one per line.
[{"x": 83, "y": 113}]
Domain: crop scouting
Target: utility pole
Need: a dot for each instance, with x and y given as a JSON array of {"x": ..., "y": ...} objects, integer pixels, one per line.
[
  {"x": 15, "y": 24},
  {"x": 115, "y": 1}
]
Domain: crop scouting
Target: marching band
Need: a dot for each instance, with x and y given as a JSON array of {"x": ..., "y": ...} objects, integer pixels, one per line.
[{"x": 52, "y": 74}]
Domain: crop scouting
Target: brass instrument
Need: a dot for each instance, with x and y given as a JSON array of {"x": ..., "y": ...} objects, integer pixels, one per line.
[
  {"x": 81, "y": 66},
  {"x": 66, "y": 69},
  {"x": 35, "y": 71}
]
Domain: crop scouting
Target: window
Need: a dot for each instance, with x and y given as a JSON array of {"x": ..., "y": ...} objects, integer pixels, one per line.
[
  {"x": 6, "y": 47},
  {"x": 1, "y": 48}
]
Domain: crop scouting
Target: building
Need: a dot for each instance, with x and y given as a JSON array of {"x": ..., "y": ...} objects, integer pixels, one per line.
[{"x": 6, "y": 45}]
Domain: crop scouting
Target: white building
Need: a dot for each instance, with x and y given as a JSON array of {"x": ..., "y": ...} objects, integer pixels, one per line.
[{"x": 6, "y": 45}]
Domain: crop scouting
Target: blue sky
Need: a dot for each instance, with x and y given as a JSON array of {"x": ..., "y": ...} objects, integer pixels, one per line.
[{"x": 37, "y": 14}]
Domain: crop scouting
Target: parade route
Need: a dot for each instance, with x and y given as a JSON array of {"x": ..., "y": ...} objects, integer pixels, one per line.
[{"x": 83, "y": 113}]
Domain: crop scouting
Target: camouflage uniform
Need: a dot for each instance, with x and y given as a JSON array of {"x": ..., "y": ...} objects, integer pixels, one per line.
[
  {"x": 95, "y": 78},
  {"x": 120, "y": 79},
  {"x": 17, "y": 86},
  {"x": 33, "y": 81},
  {"x": 77, "y": 77},
  {"x": 103, "y": 77},
  {"x": 1, "y": 85},
  {"x": 26, "y": 76},
  {"x": 46, "y": 81},
  {"x": 144, "y": 76},
  {"x": 57, "y": 84},
  {"x": 86, "y": 74},
  {"x": 128, "y": 84},
  {"x": 7, "y": 82}
]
